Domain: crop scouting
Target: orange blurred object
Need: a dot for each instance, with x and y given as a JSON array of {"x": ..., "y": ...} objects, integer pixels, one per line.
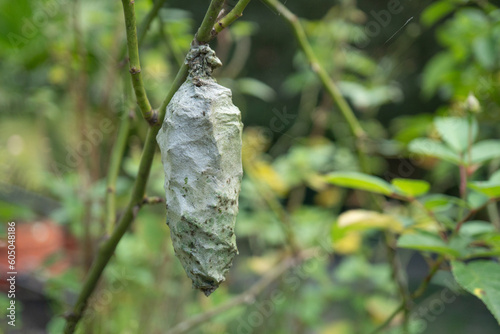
[{"x": 35, "y": 243}]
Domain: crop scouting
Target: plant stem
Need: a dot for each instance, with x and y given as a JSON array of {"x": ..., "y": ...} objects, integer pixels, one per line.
[
  {"x": 398, "y": 277},
  {"x": 420, "y": 290},
  {"x": 146, "y": 22},
  {"x": 232, "y": 16},
  {"x": 388, "y": 320},
  {"x": 137, "y": 198},
  {"x": 114, "y": 169},
  {"x": 107, "y": 249},
  {"x": 325, "y": 79},
  {"x": 246, "y": 297},
  {"x": 206, "y": 31},
  {"x": 134, "y": 63}
]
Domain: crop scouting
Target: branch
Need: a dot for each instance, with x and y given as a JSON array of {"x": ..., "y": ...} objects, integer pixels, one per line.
[
  {"x": 420, "y": 290},
  {"x": 114, "y": 168},
  {"x": 136, "y": 200},
  {"x": 134, "y": 63},
  {"x": 206, "y": 32},
  {"x": 232, "y": 16},
  {"x": 325, "y": 79},
  {"x": 246, "y": 297},
  {"x": 146, "y": 22}
]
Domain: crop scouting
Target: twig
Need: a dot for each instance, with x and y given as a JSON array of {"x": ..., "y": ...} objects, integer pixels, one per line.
[
  {"x": 114, "y": 168},
  {"x": 134, "y": 63},
  {"x": 206, "y": 31},
  {"x": 325, "y": 79},
  {"x": 389, "y": 319},
  {"x": 420, "y": 290},
  {"x": 232, "y": 16},
  {"x": 246, "y": 297},
  {"x": 398, "y": 278},
  {"x": 425, "y": 283},
  {"x": 152, "y": 200},
  {"x": 146, "y": 22},
  {"x": 107, "y": 249}
]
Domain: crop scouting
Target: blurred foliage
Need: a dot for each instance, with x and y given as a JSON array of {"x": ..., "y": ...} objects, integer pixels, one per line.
[{"x": 428, "y": 99}]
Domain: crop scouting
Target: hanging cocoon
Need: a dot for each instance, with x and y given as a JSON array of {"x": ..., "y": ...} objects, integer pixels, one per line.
[{"x": 200, "y": 142}]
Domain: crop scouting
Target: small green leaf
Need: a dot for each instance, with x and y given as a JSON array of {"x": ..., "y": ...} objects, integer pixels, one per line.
[
  {"x": 360, "y": 181},
  {"x": 360, "y": 220},
  {"x": 438, "y": 202},
  {"x": 254, "y": 87},
  {"x": 495, "y": 177},
  {"x": 476, "y": 227},
  {"x": 482, "y": 279},
  {"x": 435, "y": 12},
  {"x": 426, "y": 243},
  {"x": 485, "y": 150},
  {"x": 412, "y": 188},
  {"x": 455, "y": 131},
  {"x": 489, "y": 188},
  {"x": 433, "y": 148}
]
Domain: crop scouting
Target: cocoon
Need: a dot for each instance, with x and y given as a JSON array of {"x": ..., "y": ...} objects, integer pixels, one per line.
[{"x": 200, "y": 142}]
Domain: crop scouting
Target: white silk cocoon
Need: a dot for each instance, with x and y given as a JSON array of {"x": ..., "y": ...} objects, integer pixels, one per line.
[{"x": 200, "y": 142}]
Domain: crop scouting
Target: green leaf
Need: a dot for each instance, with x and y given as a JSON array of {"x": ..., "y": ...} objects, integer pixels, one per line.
[
  {"x": 360, "y": 181},
  {"x": 485, "y": 150},
  {"x": 426, "y": 243},
  {"x": 412, "y": 188},
  {"x": 361, "y": 220},
  {"x": 476, "y": 227},
  {"x": 457, "y": 132},
  {"x": 433, "y": 148},
  {"x": 438, "y": 202},
  {"x": 435, "y": 12},
  {"x": 484, "y": 50},
  {"x": 254, "y": 87},
  {"x": 482, "y": 279},
  {"x": 489, "y": 188},
  {"x": 495, "y": 177}
]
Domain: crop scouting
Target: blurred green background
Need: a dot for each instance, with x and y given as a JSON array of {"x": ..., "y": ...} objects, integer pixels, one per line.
[{"x": 64, "y": 88}]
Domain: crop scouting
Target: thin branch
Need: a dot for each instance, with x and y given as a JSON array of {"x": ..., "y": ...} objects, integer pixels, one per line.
[
  {"x": 152, "y": 200},
  {"x": 114, "y": 169},
  {"x": 146, "y": 22},
  {"x": 121, "y": 140},
  {"x": 389, "y": 319},
  {"x": 206, "y": 32},
  {"x": 134, "y": 63},
  {"x": 232, "y": 16},
  {"x": 420, "y": 290},
  {"x": 246, "y": 297},
  {"x": 325, "y": 79},
  {"x": 136, "y": 200}
]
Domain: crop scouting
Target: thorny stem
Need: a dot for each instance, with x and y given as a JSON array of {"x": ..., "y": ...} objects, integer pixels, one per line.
[
  {"x": 134, "y": 63},
  {"x": 137, "y": 197},
  {"x": 325, "y": 79},
  {"x": 246, "y": 297}
]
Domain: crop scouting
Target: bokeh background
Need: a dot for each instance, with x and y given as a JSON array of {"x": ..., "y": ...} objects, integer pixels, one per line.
[{"x": 63, "y": 91}]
